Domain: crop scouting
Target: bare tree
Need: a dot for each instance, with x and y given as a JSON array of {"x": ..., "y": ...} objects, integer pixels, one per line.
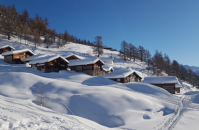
[
  {"x": 123, "y": 50},
  {"x": 148, "y": 57},
  {"x": 36, "y": 37},
  {"x": 141, "y": 52},
  {"x": 98, "y": 46},
  {"x": 8, "y": 16}
]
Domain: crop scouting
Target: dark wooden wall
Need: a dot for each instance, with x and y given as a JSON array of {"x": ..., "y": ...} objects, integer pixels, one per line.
[
  {"x": 169, "y": 87},
  {"x": 130, "y": 78},
  {"x": 81, "y": 68},
  {"x": 177, "y": 90},
  {"x": 55, "y": 65}
]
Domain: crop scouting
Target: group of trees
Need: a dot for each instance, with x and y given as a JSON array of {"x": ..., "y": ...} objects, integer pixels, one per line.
[
  {"x": 128, "y": 52},
  {"x": 158, "y": 63},
  {"x": 13, "y": 23}
]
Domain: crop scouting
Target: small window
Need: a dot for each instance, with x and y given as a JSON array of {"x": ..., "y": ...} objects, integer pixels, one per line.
[{"x": 118, "y": 80}]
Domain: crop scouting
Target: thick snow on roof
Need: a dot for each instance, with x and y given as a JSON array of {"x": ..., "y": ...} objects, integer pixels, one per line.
[
  {"x": 84, "y": 61},
  {"x": 47, "y": 59},
  {"x": 35, "y": 57},
  {"x": 107, "y": 68},
  {"x": 120, "y": 73},
  {"x": 178, "y": 85},
  {"x": 16, "y": 51},
  {"x": 71, "y": 54},
  {"x": 7, "y": 46},
  {"x": 161, "y": 80}
]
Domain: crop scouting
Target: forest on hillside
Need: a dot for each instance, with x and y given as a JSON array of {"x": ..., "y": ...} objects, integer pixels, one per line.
[{"x": 13, "y": 23}]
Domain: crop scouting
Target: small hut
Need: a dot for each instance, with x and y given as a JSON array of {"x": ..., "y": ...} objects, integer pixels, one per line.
[
  {"x": 107, "y": 69},
  {"x": 124, "y": 76},
  {"x": 17, "y": 56},
  {"x": 169, "y": 83},
  {"x": 6, "y": 48},
  {"x": 91, "y": 66},
  {"x": 53, "y": 63}
]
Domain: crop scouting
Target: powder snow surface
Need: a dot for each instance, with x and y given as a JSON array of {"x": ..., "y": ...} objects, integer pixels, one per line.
[
  {"x": 47, "y": 59},
  {"x": 16, "y": 51},
  {"x": 161, "y": 80}
]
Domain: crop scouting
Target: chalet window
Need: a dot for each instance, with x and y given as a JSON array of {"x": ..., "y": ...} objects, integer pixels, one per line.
[{"x": 118, "y": 80}]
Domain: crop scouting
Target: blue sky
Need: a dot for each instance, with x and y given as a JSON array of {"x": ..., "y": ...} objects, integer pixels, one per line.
[{"x": 169, "y": 26}]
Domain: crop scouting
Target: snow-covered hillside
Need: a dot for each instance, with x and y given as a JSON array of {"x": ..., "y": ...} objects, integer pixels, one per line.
[{"x": 79, "y": 101}]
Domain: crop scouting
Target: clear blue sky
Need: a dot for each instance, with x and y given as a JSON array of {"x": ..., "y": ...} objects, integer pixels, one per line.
[{"x": 171, "y": 26}]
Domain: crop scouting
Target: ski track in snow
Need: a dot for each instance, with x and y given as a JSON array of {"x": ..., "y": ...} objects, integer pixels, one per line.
[
  {"x": 36, "y": 121},
  {"x": 184, "y": 105}
]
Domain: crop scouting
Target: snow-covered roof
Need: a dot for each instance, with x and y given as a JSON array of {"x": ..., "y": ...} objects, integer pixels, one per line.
[
  {"x": 122, "y": 73},
  {"x": 84, "y": 61},
  {"x": 106, "y": 59},
  {"x": 40, "y": 64},
  {"x": 47, "y": 59},
  {"x": 17, "y": 51},
  {"x": 161, "y": 80},
  {"x": 7, "y": 46},
  {"x": 71, "y": 54},
  {"x": 107, "y": 68},
  {"x": 178, "y": 85},
  {"x": 34, "y": 57}
]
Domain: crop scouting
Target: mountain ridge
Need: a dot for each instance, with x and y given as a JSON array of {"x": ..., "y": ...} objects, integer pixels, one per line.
[{"x": 195, "y": 69}]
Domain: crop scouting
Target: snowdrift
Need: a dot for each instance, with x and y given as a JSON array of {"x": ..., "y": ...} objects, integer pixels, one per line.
[{"x": 105, "y": 105}]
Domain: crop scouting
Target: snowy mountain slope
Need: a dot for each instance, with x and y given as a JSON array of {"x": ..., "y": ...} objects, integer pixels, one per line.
[
  {"x": 111, "y": 104},
  {"x": 195, "y": 69}
]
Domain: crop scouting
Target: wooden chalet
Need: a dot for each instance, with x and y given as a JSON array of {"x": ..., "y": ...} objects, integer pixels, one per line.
[
  {"x": 92, "y": 67},
  {"x": 53, "y": 63},
  {"x": 107, "y": 69},
  {"x": 169, "y": 83},
  {"x": 6, "y": 48},
  {"x": 73, "y": 57},
  {"x": 17, "y": 56},
  {"x": 124, "y": 76},
  {"x": 177, "y": 87}
]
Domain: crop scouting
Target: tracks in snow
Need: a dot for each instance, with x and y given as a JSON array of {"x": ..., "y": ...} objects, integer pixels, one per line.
[
  {"x": 13, "y": 117},
  {"x": 184, "y": 105}
]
